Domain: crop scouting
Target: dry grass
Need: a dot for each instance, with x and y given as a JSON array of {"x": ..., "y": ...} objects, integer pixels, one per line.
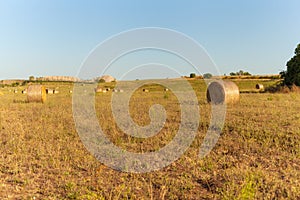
[{"x": 256, "y": 157}]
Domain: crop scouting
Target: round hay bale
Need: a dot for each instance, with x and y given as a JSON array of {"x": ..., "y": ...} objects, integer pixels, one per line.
[
  {"x": 49, "y": 91},
  {"x": 24, "y": 91},
  {"x": 36, "y": 93},
  {"x": 259, "y": 86},
  {"x": 70, "y": 91},
  {"x": 220, "y": 92},
  {"x": 145, "y": 90},
  {"x": 55, "y": 92},
  {"x": 15, "y": 91},
  {"x": 166, "y": 89}
]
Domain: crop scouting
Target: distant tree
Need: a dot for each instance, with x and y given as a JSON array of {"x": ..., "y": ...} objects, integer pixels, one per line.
[
  {"x": 246, "y": 74},
  {"x": 31, "y": 78},
  {"x": 207, "y": 75},
  {"x": 192, "y": 75},
  {"x": 240, "y": 73},
  {"x": 292, "y": 75}
]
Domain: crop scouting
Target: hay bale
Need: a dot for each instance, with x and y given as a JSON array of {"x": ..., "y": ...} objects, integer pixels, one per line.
[
  {"x": 36, "y": 93},
  {"x": 166, "y": 89},
  {"x": 15, "y": 91},
  {"x": 121, "y": 90},
  {"x": 49, "y": 91},
  {"x": 259, "y": 86},
  {"x": 24, "y": 91},
  {"x": 145, "y": 90},
  {"x": 219, "y": 92},
  {"x": 70, "y": 91},
  {"x": 55, "y": 91}
]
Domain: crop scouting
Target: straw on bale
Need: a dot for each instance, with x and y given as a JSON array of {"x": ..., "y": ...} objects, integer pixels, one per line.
[
  {"x": 259, "y": 86},
  {"x": 36, "y": 93},
  {"x": 219, "y": 92}
]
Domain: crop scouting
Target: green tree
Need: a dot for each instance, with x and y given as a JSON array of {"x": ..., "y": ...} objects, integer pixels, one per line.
[
  {"x": 31, "y": 78},
  {"x": 207, "y": 75},
  {"x": 192, "y": 75},
  {"x": 292, "y": 75}
]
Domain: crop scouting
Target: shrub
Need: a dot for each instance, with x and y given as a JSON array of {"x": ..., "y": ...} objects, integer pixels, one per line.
[
  {"x": 292, "y": 75},
  {"x": 192, "y": 75},
  {"x": 207, "y": 75}
]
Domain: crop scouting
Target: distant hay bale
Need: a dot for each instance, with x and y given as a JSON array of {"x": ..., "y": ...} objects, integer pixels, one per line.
[
  {"x": 55, "y": 91},
  {"x": 114, "y": 90},
  {"x": 104, "y": 91},
  {"x": 166, "y": 89},
  {"x": 15, "y": 91},
  {"x": 220, "y": 92},
  {"x": 259, "y": 86},
  {"x": 36, "y": 93},
  {"x": 49, "y": 91},
  {"x": 107, "y": 89},
  {"x": 70, "y": 91},
  {"x": 121, "y": 90},
  {"x": 24, "y": 91},
  {"x": 145, "y": 90}
]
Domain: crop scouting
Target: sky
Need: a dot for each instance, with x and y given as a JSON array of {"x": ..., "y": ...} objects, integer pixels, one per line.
[{"x": 43, "y": 38}]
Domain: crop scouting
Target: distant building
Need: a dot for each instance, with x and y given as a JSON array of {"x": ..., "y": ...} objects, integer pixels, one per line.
[
  {"x": 59, "y": 78},
  {"x": 105, "y": 78},
  {"x": 11, "y": 82}
]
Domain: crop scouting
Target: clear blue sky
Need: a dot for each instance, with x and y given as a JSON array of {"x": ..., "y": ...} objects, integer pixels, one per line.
[{"x": 54, "y": 37}]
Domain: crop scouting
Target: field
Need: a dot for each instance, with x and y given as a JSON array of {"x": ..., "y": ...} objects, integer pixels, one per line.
[{"x": 256, "y": 157}]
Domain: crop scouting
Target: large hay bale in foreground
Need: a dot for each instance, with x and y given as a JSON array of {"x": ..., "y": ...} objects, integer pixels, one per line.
[
  {"x": 219, "y": 92},
  {"x": 36, "y": 93}
]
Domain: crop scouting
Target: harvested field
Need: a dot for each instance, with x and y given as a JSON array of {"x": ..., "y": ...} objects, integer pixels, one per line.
[{"x": 256, "y": 157}]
